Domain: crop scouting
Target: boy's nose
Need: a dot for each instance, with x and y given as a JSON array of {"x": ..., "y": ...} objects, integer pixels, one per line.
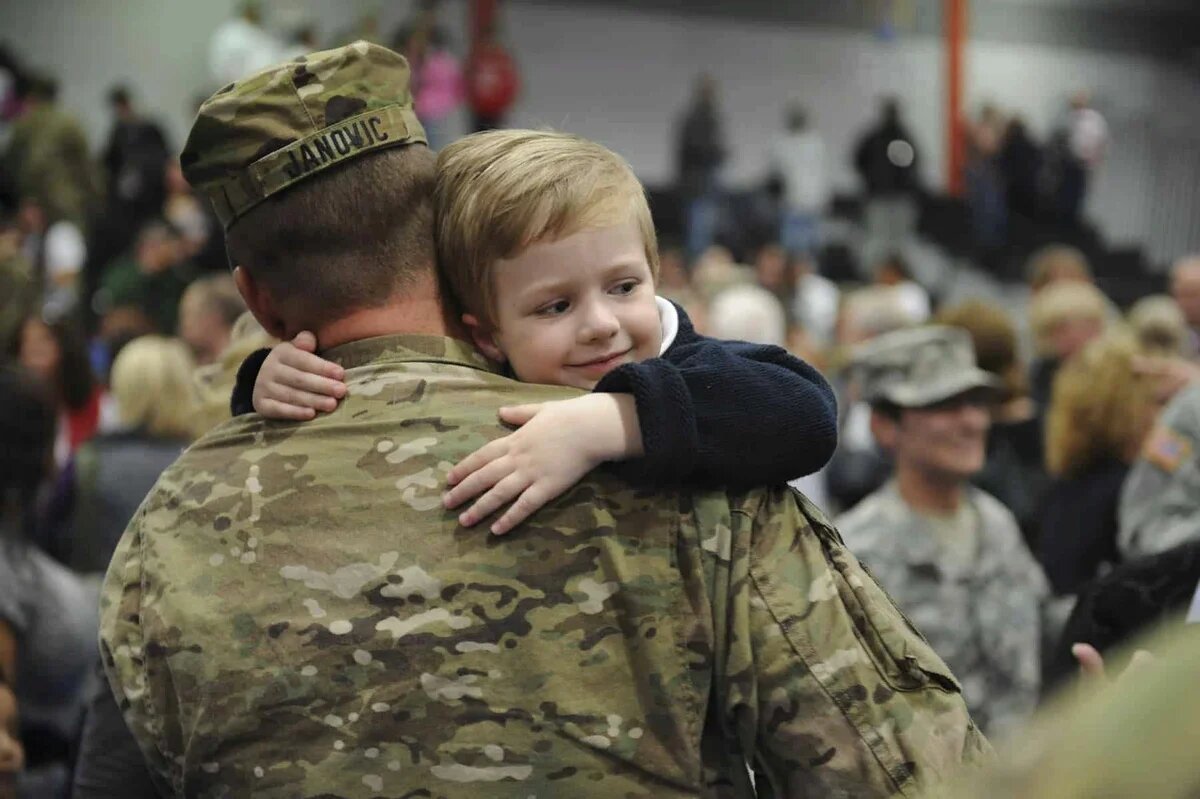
[{"x": 600, "y": 323}]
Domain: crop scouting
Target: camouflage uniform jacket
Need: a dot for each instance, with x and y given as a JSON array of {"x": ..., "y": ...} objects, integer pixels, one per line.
[
  {"x": 292, "y": 613},
  {"x": 985, "y": 620},
  {"x": 1160, "y": 502}
]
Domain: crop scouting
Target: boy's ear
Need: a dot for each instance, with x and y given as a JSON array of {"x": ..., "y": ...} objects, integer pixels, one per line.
[{"x": 483, "y": 338}]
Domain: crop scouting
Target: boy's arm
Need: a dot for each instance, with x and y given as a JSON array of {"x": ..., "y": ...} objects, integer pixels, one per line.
[
  {"x": 288, "y": 381},
  {"x": 242, "y": 401},
  {"x": 729, "y": 413}
]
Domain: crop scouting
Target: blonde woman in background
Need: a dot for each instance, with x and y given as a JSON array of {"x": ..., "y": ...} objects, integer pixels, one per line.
[
  {"x": 1099, "y": 416},
  {"x": 1064, "y": 316},
  {"x": 152, "y": 387}
]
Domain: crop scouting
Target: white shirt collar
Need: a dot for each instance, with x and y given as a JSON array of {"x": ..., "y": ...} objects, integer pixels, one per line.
[{"x": 669, "y": 318}]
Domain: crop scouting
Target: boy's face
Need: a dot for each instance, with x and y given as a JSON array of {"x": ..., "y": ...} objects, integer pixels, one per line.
[{"x": 570, "y": 311}]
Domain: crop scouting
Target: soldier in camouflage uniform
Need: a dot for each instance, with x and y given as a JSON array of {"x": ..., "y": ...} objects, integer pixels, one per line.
[
  {"x": 292, "y": 613},
  {"x": 950, "y": 554},
  {"x": 1160, "y": 502}
]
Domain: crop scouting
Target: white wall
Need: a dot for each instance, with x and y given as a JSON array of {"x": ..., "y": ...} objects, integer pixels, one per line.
[{"x": 622, "y": 77}]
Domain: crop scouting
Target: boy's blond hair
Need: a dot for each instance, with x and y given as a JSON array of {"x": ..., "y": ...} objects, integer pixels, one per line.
[
  {"x": 151, "y": 383},
  {"x": 498, "y": 192}
]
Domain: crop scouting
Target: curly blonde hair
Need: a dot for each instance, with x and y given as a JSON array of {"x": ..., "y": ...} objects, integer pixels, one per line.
[{"x": 1100, "y": 408}]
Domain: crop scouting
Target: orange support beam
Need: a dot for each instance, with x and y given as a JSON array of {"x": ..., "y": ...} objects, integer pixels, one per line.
[{"x": 955, "y": 13}]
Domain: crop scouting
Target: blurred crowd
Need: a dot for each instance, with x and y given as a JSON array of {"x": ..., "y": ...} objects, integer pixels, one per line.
[{"x": 1069, "y": 494}]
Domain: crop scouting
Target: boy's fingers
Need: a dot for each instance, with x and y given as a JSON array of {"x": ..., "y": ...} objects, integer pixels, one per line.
[
  {"x": 307, "y": 362},
  {"x": 475, "y": 484},
  {"x": 281, "y": 410},
  {"x": 519, "y": 414},
  {"x": 315, "y": 384},
  {"x": 306, "y": 341},
  {"x": 503, "y": 492},
  {"x": 525, "y": 506},
  {"x": 1091, "y": 662},
  {"x": 303, "y": 399},
  {"x": 476, "y": 461}
]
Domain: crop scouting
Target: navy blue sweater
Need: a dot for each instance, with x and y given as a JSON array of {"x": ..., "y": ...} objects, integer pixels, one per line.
[{"x": 711, "y": 412}]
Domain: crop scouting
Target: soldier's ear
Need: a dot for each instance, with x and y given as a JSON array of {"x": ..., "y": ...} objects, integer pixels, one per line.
[
  {"x": 484, "y": 338},
  {"x": 259, "y": 302}
]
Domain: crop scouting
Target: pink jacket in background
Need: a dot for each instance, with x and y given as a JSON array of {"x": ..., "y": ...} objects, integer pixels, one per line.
[{"x": 439, "y": 86}]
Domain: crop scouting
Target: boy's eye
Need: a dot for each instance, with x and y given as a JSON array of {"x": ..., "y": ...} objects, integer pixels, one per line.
[
  {"x": 555, "y": 308},
  {"x": 625, "y": 287}
]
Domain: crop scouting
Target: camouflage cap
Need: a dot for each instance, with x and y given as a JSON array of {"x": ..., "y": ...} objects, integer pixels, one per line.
[
  {"x": 258, "y": 136},
  {"x": 920, "y": 366}
]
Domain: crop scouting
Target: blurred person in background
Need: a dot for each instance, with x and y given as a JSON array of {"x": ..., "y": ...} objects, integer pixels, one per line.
[
  {"x": 1057, "y": 263},
  {"x": 194, "y": 220},
  {"x": 437, "y": 79},
  {"x": 1129, "y": 738},
  {"x": 135, "y": 159},
  {"x": 859, "y": 467},
  {"x": 154, "y": 392},
  {"x": 772, "y": 271},
  {"x": 12, "y": 751},
  {"x": 56, "y": 250},
  {"x": 1087, "y": 140},
  {"x": 798, "y": 161},
  {"x": 1160, "y": 501},
  {"x": 302, "y": 41},
  {"x": 1020, "y": 165},
  {"x": 748, "y": 313},
  {"x": 207, "y": 313},
  {"x": 1185, "y": 288},
  {"x": 815, "y": 300},
  {"x": 1100, "y": 413},
  {"x": 755, "y": 314},
  {"x": 1064, "y": 317},
  {"x": 48, "y": 615},
  {"x": 17, "y": 287},
  {"x": 215, "y": 382},
  {"x": 893, "y": 270},
  {"x": 701, "y": 152},
  {"x": 49, "y": 158},
  {"x": 56, "y": 354},
  {"x": 152, "y": 281},
  {"x": 887, "y": 159},
  {"x": 1160, "y": 326},
  {"x": 950, "y": 554},
  {"x": 1014, "y": 471},
  {"x": 985, "y": 185},
  {"x": 241, "y": 45}
]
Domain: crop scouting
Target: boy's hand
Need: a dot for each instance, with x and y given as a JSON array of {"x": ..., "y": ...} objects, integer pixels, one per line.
[
  {"x": 295, "y": 384},
  {"x": 558, "y": 443}
]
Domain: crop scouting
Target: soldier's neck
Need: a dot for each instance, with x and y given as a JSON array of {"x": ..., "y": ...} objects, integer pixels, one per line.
[
  {"x": 419, "y": 312},
  {"x": 926, "y": 493}
]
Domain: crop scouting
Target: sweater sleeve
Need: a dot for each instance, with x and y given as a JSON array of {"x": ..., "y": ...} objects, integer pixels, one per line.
[
  {"x": 242, "y": 401},
  {"x": 726, "y": 413}
]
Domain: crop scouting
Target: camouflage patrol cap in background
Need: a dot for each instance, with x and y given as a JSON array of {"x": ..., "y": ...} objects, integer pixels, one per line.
[
  {"x": 918, "y": 367},
  {"x": 266, "y": 132}
]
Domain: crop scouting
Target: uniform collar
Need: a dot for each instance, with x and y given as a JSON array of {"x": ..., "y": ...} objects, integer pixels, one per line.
[{"x": 408, "y": 349}]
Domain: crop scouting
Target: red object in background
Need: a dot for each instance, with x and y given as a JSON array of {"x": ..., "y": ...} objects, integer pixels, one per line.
[
  {"x": 492, "y": 81},
  {"x": 83, "y": 422}
]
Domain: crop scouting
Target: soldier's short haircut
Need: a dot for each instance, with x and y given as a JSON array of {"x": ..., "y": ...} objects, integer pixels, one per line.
[
  {"x": 500, "y": 191},
  {"x": 347, "y": 238}
]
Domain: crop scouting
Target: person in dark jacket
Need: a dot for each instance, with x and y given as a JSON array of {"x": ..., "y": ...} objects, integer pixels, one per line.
[
  {"x": 887, "y": 160},
  {"x": 156, "y": 400},
  {"x": 701, "y": 152},
  {"x": 1100, "y": 413}
]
